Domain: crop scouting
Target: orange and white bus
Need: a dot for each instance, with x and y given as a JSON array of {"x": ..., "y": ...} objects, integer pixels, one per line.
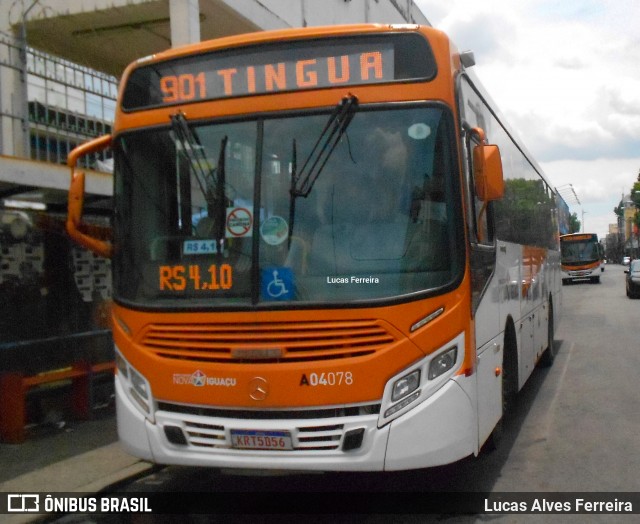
[
  {"x": 329, "y": 252},
  {"x": 582, "y": 257}
]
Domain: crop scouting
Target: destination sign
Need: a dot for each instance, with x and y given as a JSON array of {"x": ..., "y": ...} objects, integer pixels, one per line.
[
  {"x": 274, "y": 68},
  {"x": 579, "y": 238}
]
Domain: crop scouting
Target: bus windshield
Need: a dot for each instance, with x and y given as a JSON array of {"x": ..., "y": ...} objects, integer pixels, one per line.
[
  {"x": 211, "y": 215},
  {"x": 579, "y": 251}
]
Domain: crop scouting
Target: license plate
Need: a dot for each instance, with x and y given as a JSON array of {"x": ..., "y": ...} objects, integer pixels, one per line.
[{"x": 256, "y": 439}]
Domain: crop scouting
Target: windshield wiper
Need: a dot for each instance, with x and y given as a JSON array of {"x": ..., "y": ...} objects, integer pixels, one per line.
[
  {"x": 193, "y": 150},
  {"x": 334, "y": 129},
  {"x": 212, "y": 181}
]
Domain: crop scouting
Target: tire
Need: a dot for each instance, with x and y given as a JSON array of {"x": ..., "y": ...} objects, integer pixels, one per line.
[
  {"x": 549, "y": 355},
  {"x": 493, "y": 442},
  {"x": 509, "y": 372},
  {"x": 509, "y": 388}
]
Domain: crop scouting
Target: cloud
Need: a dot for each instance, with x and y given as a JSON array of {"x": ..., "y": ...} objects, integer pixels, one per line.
[
  {"x": 492, "y": 43},
  {"x": 618, "y": 109},
  {"x": 599, "y": 184},
  {"x": 551, "y": 67},
  {"x": 593, "y": 179},
  {"x": 566, "y": 77}
]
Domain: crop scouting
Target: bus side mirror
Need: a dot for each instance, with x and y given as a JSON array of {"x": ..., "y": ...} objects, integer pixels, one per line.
[
  {"x": 487, "y": 166},
  {"x": 75, "y": 201}
]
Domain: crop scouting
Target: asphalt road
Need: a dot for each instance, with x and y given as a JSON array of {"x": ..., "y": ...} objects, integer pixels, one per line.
[
  {"x": 575, "y": 428},
  {"x": 581, "y": 429}
]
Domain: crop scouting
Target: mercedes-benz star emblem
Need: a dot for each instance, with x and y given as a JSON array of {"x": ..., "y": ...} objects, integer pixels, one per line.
[{"x": 258, "y": 388}]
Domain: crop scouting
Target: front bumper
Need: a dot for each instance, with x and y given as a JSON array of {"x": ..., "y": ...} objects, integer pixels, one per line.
[
  {"x": 582, "y": 274},
  {"x": 440, "y": 430}
]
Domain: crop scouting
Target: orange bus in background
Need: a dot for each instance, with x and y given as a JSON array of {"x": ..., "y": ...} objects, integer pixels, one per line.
[
  {"x": 582, "y": 257},
  {"x": 328, "y": 248}
]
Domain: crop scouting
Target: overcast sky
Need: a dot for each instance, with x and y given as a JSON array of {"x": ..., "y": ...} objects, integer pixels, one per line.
[{"x": 566, "y": 74}]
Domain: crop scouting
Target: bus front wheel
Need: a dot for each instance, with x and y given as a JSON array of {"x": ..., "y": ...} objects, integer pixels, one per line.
[
  {"x": 549, "y": 354},
  {"x": 509, "y": 386}
]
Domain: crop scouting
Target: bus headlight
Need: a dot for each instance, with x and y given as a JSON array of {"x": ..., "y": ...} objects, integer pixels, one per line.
[
  {"x": 404, "y": 391},
  {"x": 443, "y": 362},
  {"x": 122, "y": 365},
  {"x": 140, "y": 390},
  {"x": 406, "y": 385},
  {"x": 421, "y": 380},
  {"x": 135, "y": 385}
]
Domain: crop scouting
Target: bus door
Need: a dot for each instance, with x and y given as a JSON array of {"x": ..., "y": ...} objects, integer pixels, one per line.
[{"x": 484, "y": 282}]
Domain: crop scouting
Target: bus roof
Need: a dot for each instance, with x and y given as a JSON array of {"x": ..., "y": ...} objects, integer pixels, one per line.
[{"x": 277, "y": 35}]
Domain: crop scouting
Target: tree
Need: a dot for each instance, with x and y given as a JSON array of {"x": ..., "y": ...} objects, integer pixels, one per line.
[
  {"x": 619, "y": 210},
  {"x": 635, "y": 198},
  {"x": 635, "y": 192},
  {"x": 574, "y": 223}
]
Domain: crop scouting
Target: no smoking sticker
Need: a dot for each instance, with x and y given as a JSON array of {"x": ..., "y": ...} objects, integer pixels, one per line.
[{"x": 239, "y": 222}]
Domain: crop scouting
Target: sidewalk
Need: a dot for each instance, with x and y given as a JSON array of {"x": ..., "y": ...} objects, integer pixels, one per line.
[
  {"x": 80, "y": 457},
  {"x": 47, "y": 444}
]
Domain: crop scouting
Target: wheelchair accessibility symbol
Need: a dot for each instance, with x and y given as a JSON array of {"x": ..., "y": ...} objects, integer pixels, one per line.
[{"x": 277, "y": 283}]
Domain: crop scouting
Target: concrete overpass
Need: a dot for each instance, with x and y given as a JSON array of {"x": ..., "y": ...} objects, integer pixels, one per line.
[{"x": 109, "y": 34}]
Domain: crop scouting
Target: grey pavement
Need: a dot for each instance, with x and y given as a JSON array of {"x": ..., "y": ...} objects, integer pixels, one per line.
[{"x": 78, "y": 457}]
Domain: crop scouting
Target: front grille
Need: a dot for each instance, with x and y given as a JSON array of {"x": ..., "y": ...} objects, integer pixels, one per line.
[
  {"x": 579, "y": 273},
  {"x": 306, "y": 439},
  {"x": 210, "y": 428},
  {"x": 205, "y": 435},
  {"x": 295, "y": 342}
]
